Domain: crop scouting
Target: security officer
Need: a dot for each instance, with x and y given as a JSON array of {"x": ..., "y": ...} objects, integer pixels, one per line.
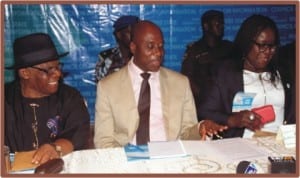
[
  {"x": 113, "y": 59},
  {"x": 200, "y": 55}
]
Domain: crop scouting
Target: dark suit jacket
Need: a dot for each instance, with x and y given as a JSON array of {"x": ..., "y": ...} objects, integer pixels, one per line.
[{"x": 228, "y": 80}]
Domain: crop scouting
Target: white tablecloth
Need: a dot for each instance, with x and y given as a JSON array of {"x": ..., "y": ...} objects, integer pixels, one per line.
[{"x": 114, "y": 160}]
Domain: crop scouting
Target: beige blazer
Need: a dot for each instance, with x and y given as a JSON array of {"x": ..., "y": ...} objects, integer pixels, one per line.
[{"x": 116, "y": 114}]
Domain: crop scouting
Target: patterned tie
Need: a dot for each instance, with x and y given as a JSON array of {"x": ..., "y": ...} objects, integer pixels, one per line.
[{"x": 142, "y": 134}]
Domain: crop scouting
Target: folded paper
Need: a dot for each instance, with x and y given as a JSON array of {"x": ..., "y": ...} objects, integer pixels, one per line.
[{"x": 22, "y": 161}]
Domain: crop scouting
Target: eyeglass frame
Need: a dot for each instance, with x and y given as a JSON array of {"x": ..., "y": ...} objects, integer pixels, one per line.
[
  {"x": 262, "y": 47},
  {"x": 50, "y": 70}
]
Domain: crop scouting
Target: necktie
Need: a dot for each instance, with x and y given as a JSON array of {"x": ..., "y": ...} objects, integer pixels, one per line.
[{"x": 142, "y": 134}]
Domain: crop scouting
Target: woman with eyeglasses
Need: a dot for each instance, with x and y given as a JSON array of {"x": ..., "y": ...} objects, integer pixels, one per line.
[{"x": 254, "y": 70}]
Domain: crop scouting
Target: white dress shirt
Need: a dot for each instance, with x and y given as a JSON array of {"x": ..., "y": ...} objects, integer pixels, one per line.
[
  {"x": 157, "y": 126},
  {"x": 266, "y": 93}
]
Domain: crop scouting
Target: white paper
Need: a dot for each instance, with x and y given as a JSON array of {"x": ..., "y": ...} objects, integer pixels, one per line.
[
  {"x": 201, "y": 148},
  {"x": 235, "y": 149},
  {"x": 166, "y": 149},
  {"x": 287, "y": 135},
  {"x": 225, "y": 150}
]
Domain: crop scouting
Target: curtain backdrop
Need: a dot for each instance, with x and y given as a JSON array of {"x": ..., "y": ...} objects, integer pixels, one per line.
[{"x": 86, "y": 29}]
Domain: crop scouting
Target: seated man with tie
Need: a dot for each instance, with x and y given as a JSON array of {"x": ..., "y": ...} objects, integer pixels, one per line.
[{"x": 145, "y": 102}]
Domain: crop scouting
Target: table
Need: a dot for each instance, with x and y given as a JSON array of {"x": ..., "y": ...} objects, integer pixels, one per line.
[{"x": 114, "y": 160}]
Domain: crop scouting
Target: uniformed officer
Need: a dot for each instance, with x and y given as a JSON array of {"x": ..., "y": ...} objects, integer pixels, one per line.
[
  {"x": 200, "y": 55},
  {"x": 113, "y": 59}
]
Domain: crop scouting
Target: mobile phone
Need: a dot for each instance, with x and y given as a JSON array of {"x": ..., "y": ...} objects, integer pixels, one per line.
[{"x": 266, "y": 112}]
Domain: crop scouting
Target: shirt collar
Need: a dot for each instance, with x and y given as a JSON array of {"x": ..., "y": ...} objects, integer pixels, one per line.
[{"x": 134, "y": 70}]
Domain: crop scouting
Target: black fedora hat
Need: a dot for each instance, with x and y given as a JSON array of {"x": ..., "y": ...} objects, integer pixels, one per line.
[{"x": 34, "y": 49}]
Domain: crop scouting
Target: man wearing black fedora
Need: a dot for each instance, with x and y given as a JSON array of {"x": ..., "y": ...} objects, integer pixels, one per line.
[{"x": 41, "y": 112}]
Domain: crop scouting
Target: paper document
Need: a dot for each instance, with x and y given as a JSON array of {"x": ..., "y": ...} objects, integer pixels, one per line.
[
  {"x": 287, "y": 135},
  {"x": 225, "y": 150},
  {"x": 166, "y": 149},
  {"x": 22, "y": 161},
  {"x": 235, "y": 149}
]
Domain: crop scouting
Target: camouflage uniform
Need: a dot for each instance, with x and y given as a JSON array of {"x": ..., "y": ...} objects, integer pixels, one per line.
[{"x": 110, "y": 61}]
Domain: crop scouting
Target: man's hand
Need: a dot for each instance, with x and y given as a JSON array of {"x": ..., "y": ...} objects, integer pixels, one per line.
[
  {"x": 245, "y": 118},
  {"x": 45, "y": 153},
  {"x": 48, "y": 151},
  {"x": 210, "y": 128}
]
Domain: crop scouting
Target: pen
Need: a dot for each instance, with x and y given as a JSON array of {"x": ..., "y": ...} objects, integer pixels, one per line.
[{"x": 218, "y": 136}]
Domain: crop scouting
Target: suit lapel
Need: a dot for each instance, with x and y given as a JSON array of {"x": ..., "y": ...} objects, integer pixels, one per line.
[
  {"x": 234, "y": 84},
  {"x": 165, "y": 99},
  {"x": 126, "y": 87},
  {"x": 129, "y": 104}
]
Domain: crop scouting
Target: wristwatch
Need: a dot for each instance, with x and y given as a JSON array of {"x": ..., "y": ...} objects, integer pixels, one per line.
[{"x": 57, "y": 149}]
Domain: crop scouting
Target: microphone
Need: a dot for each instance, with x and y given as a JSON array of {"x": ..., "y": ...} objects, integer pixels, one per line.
[{"x": 246, "y": 167}]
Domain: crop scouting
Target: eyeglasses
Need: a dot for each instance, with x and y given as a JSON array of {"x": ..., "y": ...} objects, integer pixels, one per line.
[
  {"x": 263, "y": 46},
  {"x": 50, "y": 70}
]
